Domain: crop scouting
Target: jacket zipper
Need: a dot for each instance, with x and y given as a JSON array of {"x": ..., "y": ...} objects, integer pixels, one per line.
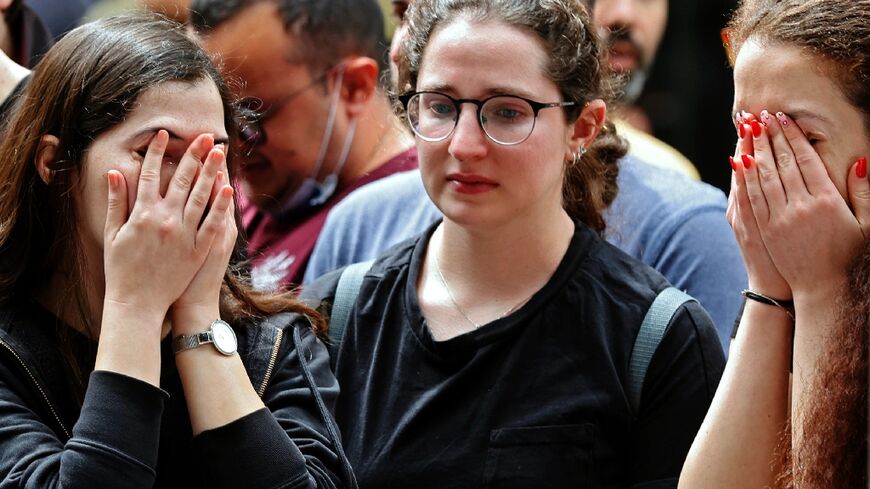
[
  {"x": 38, "y": 387},
  {"x": 271, "y": 366}
]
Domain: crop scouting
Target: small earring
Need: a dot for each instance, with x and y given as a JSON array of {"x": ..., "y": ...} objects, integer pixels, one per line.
[
  {"x": 582, "y": 150},
  {"x": 575, "y": 157}
]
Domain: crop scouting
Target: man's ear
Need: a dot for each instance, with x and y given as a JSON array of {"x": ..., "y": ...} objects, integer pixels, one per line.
[
  {"x": 586, "y": 128},
  {"x": 46, "y": 157},
  {"x": 5, "y": 4},
  {"x": 359, "y": 83}
]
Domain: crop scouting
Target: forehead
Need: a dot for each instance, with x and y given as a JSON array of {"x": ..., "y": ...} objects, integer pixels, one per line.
[
  {"x": 778, "y": 77},
  {"x": 185, "y": 109},
  {"x": 255, "y": 48},
  {"x": 476, "y": 56}
]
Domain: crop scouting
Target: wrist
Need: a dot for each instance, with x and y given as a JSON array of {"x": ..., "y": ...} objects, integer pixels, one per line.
[{"x": 192, "y": 319}]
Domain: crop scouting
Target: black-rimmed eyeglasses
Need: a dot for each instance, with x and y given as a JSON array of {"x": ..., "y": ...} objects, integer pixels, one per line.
[
  {"x": 253, "y": 115},
  {"x": 505, "y": 119}
]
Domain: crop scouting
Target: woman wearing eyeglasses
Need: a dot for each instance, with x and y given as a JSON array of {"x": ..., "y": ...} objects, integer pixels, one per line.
[{"x": 494, "y": 350}]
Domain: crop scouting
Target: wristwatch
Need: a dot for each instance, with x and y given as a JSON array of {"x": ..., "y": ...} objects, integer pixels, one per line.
[{"x": 220, "y": 334}]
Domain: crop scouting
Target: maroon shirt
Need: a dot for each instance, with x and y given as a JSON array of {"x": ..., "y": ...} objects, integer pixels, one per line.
[{"x": 280, "y": 249}]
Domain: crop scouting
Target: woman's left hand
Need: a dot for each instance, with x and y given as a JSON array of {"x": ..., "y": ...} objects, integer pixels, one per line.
[
  {"x": 201, "y": 299},
  {"x": 806, "y": 225}
]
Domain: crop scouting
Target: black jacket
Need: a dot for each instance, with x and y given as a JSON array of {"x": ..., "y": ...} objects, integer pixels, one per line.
[{"x": 127, "y": 433}]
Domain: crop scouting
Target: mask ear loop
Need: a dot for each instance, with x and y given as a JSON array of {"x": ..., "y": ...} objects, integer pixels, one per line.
[
  {"x": 330, "y": 183},
  {"x": 330, "y": 125}
]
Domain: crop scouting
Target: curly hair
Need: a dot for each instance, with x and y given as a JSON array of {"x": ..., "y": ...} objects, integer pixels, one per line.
[
  {"x": 833, "y": 452},
  {"x": 575, "y": 66}
]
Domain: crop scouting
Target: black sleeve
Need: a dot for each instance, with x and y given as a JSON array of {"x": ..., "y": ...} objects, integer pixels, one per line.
[
  {"x": 287, "y": 444},
  {"x": 114, "y": 443},
  {"x": 678, "y": 389}
]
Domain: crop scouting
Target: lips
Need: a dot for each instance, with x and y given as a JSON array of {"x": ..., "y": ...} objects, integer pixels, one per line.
[
  {"x": 469, "y": 183},
  {"x": 623, "y": 57}
]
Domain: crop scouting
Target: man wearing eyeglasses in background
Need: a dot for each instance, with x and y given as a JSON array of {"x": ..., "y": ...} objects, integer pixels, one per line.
[
  {"x": 667, "y": 220},
  {"x": 321, "y": 125}
]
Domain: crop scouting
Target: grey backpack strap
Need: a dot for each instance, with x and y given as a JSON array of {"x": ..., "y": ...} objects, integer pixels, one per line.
[
  {"x": 349, "y": 283},
  {"x": 653, "y": 328}
]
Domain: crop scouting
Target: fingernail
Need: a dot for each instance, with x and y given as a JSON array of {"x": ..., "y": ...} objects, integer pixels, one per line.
[
  {"x": 782, "y": 118},
  {"x": 765, "y": 118},
  {"x": 741, "y": 130},
  {"x": 861, "y": 171},
  {"x": 756, "y": 128},
  {"x": 747, "y": 161},
  {"x": 733, "y": 163},
  {"x": 110, "y": 179}
]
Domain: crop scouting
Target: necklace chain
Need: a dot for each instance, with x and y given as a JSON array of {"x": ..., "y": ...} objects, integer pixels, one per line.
[{"x": 456, "y": 304}]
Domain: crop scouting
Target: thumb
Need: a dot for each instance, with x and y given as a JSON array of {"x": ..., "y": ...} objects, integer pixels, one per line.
[
  {"x": 859, "y": 194},
  {"x": 116, "y": 214}
]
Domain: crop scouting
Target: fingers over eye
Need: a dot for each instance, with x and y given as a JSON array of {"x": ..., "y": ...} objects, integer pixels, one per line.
[
  {"x": 149, "y": 174},
  {"x": 766, "y": 168},
  {"x": 784, "y": 155},
  {"x": 810, "y": 165}
]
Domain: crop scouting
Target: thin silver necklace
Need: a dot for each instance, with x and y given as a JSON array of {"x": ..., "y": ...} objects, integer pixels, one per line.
[{"x": 456, "y": 304}]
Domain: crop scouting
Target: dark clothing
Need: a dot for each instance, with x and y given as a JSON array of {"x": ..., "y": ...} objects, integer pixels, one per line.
[
  {"x": 30, "y": 38},
  {"x": 128, "y": 433},
  {"x": 280, "y": 247},
  {"x": 533, "y": 400}
]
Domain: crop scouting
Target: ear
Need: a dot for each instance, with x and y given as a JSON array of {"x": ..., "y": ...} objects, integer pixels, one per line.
[
  {"x": 46, "y": 157},
  {"x": 359, "y": 83},
  {"x": 5, "y": 4},
  {"x": 587, "y": 126}
]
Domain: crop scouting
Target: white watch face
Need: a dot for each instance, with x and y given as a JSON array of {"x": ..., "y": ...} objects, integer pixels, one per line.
[{"x": 224, "y": 337}]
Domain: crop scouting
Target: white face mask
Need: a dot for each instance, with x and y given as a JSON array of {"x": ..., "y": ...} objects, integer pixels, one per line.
[{"x": 313, "y": 193}]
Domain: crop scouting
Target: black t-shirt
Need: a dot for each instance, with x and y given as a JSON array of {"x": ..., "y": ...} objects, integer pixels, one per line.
[{"x": 535, "y": 399}]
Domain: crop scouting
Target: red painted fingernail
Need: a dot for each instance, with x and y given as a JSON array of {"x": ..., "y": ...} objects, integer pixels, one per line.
[
  {"x": 765, "y": 118},
  {"x": 756, "y": 128},
  {"x": 747, "y": 161},
  {"x": 741, "y": 131},
  {"x": 782, "y": 118},
  {"x": 861, "y": 171},
  {"x": 733, "y": 163}
]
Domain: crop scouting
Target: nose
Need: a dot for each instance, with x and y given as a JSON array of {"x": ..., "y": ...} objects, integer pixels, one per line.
[
  {"x": 615, "y": 13},
  {"x": 468, "y": 141}
]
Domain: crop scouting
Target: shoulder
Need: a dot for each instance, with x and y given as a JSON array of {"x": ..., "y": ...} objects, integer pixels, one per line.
[
  {"x": 396, "y": 193},
  {"x": 655, "y": 203}
]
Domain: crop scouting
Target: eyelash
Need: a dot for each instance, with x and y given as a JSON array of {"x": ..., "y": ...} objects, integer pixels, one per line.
[{"x": 142, "y": 152}]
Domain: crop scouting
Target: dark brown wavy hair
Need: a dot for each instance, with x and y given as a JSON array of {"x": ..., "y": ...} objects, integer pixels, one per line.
[
  {"x": 575, "y": 66},
  {"x": 85, "y": 85}
]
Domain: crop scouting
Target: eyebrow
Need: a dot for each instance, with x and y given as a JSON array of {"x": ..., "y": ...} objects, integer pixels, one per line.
[
  {"x": 443, "y": 87},
  {"x": 806, "y": 114},
  {"x": 173, "y": 135}
]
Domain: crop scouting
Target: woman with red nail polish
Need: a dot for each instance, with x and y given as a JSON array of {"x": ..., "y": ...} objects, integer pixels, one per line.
[
  {"x": 132, "y": 354},
  {"x": 800, "y": 209}
]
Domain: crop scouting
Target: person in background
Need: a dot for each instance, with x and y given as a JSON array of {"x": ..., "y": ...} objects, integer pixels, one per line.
[
  {"x": 322, "y": 124},
  {"x": 131, "y": 354},
  {"x": 493, "y": 350},
  {"x": 664, "y": 219},
  {"x": 23, "y": 35},
  {"x": 791, "y": 411}
]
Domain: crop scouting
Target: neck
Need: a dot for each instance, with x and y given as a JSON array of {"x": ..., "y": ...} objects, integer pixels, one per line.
[
  {"x": 503, "y": 260},
  {"x": 380, "y": 136}
]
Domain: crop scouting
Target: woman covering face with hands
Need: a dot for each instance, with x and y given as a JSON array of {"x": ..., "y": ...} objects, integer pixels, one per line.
[
  {"x": 131, "y": 354},
  {"x": 800, "y": 208}
]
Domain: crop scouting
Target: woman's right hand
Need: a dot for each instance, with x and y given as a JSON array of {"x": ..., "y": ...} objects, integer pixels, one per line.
[
  {"x": 152, "y": 254},
  {"x": 763, "y": 276}
]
